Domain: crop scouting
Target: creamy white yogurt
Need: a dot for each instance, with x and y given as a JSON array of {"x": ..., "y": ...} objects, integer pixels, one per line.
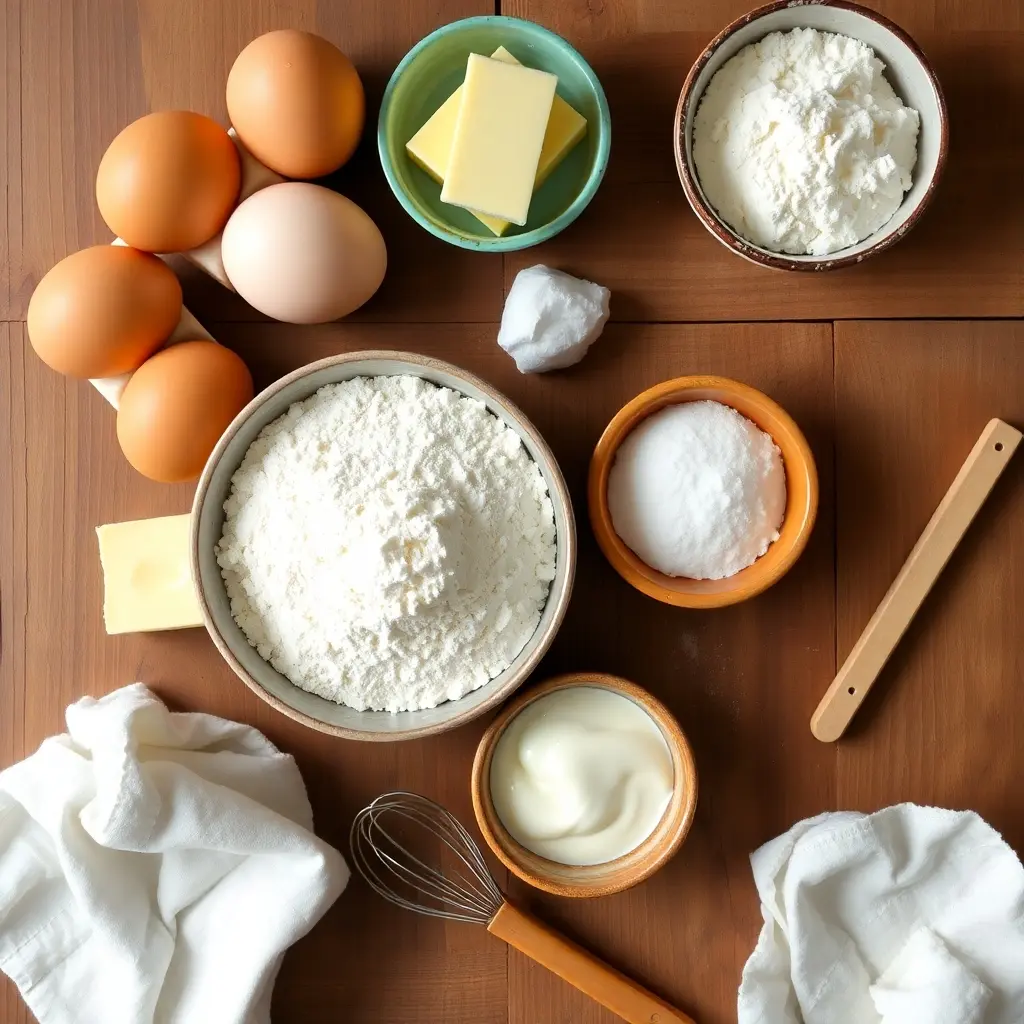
[{"x": 581, "y": 776}]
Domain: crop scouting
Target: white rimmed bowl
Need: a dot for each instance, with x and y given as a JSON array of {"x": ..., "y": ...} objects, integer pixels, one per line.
[{"x": 908, "y": 72}]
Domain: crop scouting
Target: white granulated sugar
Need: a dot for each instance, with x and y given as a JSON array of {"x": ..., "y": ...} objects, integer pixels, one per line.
[
  {"x": 388, "y": 544},
  {"x": 697, "y": 490},
  {"x": 801, "y": 145}
]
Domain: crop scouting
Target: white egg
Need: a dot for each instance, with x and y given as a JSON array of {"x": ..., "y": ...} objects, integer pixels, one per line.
[{"x": 302, "y": 253}]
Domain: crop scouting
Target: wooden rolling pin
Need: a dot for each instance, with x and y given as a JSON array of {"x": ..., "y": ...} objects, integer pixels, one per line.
[{"x": 967, "y": 493}]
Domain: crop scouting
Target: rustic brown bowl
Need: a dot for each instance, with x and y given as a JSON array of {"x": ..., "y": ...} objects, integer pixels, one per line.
[
  {"x": 208, "y": 521},
  {"x": 801, "y": 494},
  {"x": 907, "y": 70},
  {"x": 595, "y": 879}
]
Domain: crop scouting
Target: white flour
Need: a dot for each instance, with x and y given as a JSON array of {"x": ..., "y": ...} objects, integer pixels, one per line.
[
  {"x": 697, "y": 490},
  {"x": 801, "y": 145},
  {"x": 388, "y": 544}
]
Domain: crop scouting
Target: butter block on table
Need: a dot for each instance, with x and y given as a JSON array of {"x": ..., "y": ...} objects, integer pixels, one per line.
[
  {"x": 498, "y": 138},
  {"x": 431, "y": 146},
  {"x": 147, "y": 582}
]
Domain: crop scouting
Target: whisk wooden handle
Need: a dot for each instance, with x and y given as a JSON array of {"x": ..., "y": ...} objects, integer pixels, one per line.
[
  {"x": 966, "y": 495},
  {"x": 612, "y": 990}
]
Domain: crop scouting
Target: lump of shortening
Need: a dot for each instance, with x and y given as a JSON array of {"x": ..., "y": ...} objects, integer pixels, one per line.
[
  {"x": 697, "y": 490},
  {"x": 551, "y": 319}
]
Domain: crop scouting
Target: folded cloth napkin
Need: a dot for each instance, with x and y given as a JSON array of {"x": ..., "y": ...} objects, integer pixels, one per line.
[
  {"x": 154, "y": 867},
  {"x": 912, "y": 915}
]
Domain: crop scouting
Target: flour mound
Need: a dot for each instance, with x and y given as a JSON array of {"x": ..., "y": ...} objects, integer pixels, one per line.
[
  {"x": 801, "y": 145},
  {"x": 388, "y": 544}
]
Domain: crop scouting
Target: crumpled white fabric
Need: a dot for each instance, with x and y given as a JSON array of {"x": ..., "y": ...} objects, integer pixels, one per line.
[
  {"x": 912, "y": 915},
  {"x": 926, "y": 982},
  {"x": 154, "y": 867}
]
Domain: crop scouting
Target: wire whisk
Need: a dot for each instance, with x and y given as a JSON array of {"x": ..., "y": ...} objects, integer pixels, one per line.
[
  {"x": 471, "y": 894},
  {"x": 387, "y": 841}
]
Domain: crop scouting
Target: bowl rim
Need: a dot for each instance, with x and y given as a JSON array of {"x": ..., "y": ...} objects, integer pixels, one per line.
[
  {"x": 525, "y": 239},
  {"x": 541, "y": 639},
  {"x": 746, "y": 583},
  {"x": 624, "y": 873},
  {"x": 732, "y": 239}
]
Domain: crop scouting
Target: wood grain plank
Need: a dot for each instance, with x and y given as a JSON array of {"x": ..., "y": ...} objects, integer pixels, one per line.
[
  {"x": 91, "y": 67},
  {"x": 620, "y": 20},
  {"x": 641, "y": 239},
  {"x": 200, "y": 41},
  {"x": 741, "y": 680},
  {"x": 10, "y": 153},
  {"x": 939, "y": 727},
  {"x": 897, "y": 413},
  {"x": 69, "y": 477},
  {"x": 13, "y": 589}
]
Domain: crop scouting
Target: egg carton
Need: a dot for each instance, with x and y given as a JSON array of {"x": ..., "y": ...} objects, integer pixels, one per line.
[{"x": 207, "y": 257}]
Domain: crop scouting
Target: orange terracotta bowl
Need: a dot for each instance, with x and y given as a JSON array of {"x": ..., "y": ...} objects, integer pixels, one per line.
[
  {"x": 801, "y": 494},
  {"x": 595, "y": 879}
]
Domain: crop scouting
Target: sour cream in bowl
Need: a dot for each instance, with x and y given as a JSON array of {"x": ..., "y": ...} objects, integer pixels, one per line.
[{"x": 585, "y": 785}]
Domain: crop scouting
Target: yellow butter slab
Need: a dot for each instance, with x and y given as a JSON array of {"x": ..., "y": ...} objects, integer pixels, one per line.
[
  {"x": 566, "y": 127},
  {"x": 430, "y": 147},
  {"x": 498, "y": 137},
  {"x": 147, "y": 581}
]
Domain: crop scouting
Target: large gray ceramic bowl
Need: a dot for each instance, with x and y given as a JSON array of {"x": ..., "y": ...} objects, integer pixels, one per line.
[{"x": 208, "y": 520}]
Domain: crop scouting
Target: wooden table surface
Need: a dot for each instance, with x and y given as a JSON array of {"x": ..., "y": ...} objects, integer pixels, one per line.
[{"x": 892, "y": 369}]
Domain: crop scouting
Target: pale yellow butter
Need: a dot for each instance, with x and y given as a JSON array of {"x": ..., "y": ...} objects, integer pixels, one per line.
[
  {"x": 498, "y": 138},
  {"x": 147, "y": 582},
  {"x": 431, "y": 146}
]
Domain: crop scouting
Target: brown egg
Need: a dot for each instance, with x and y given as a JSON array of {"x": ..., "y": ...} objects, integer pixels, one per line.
[
  {"x": 302, "y": 253},
  {"x": 176, "y": 406},
  {"x": 169, "y": 181},
  {"x": 103, "y": 311},
  {"x": 297, "y": 103}
]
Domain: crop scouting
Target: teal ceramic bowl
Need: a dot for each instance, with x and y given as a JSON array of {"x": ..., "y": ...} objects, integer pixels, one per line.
[{"x": 432, "y": 70}]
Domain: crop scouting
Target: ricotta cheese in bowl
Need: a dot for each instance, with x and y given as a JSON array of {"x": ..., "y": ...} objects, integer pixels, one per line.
[
  {"x": 869, "y": 92},
  {"x": 801, "y": 144}
]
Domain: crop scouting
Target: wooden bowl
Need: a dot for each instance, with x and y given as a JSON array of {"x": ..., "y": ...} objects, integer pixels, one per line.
[
  {"x": 596, "y": 879},
  {"x": 801, "y": 494},
  {"x": 908, "y": 72},
  {"x": 208, "y": 523}
]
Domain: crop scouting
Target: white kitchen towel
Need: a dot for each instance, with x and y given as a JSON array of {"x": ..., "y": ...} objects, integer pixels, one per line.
[
  {"x": 926, "y": 982},
  {"x": 154, "y": 867},
  {"x": 867, "y": 917}
]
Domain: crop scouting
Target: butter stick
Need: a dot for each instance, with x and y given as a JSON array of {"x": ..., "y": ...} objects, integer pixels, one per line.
[
  {"x": 498, "y": 138},
  {"x": 431, "y": 146},
  {"x": 147, "y": 579}
]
